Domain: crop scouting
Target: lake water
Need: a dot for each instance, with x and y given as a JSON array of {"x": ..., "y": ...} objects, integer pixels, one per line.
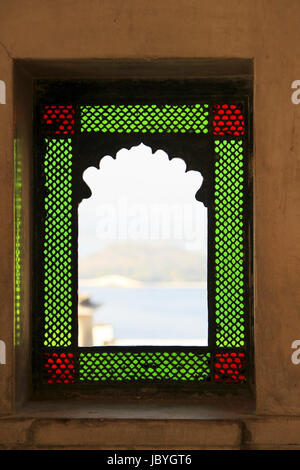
[{"x": 164, "y": 315}]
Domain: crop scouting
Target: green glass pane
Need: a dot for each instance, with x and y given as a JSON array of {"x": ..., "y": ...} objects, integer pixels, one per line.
[
  {"x": 145, "y": 118},
  {"x": 229, "y": 244},
  {"x": 131, "y": 366},
  {"x": 18, "y": 242},
  {"x": 58, "y": 243}
]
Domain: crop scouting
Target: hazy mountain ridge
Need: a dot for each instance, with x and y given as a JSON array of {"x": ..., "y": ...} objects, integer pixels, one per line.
[{"x": 145, "y": 262}]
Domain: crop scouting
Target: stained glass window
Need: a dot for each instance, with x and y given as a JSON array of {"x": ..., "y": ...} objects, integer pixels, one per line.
[{"x": 212, "y": 136}]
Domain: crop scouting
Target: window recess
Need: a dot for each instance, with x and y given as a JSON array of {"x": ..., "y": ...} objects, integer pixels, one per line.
[{"x": 207, "y": 124}]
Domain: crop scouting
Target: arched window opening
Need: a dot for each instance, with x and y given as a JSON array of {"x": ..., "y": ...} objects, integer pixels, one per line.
[
  {"x": 142, "y": 253},
  {"x": 200, "y": 133}
]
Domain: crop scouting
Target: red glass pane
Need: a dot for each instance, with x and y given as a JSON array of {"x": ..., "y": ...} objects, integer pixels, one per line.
[
  {"x": 60, "y": 368},
  {"x": 59, "y": 119},
  {"x": 230, "y": 367},
  {"x": 228, "y": 119}
]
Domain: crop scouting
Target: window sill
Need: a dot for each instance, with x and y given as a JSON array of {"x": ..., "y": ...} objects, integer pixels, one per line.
[
  {"x": 195, "y": 407},
  {"x": 202, "y": 422},
  {"x": 227, "y": 422}
]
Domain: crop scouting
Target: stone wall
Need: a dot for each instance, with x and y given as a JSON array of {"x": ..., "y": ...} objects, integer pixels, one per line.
[{"x": 266, "y": 31}]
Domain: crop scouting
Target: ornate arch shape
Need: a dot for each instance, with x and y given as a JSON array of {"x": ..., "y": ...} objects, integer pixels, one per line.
[{"x": 196, "y": 153}]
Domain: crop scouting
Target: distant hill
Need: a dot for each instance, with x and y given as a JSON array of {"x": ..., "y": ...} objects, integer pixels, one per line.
[{"x": 145, "y": 262}]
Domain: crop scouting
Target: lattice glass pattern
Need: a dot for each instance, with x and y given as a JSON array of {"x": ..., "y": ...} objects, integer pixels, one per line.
[
  {"x": 96, "y": 366},
  {"x": 59, "y": 368},
  {"x": 230, "y": 367},
  {"x": 228, "y": 119},
  {"x": 145, "y": 118},
  {"x": 58, "y": 119},
  {"x": 131, "y": 366},
  {"x": 229, "y": 243},
  {"x": 58, "y": 243},
  {"x": 18, "y": 243}
]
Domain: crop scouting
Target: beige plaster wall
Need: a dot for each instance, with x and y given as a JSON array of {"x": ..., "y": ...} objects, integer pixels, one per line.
[
  {"x": 6, "y": 234},
  {"x": 267, "y": 31}
]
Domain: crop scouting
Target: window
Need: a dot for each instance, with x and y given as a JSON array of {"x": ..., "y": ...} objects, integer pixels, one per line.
[
  {"x": 206, "y": 124},
  {"x": 142, "y": 252}
]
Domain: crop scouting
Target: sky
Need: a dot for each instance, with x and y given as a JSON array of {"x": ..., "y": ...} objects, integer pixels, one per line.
[{"x": 141, "y": 195}]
